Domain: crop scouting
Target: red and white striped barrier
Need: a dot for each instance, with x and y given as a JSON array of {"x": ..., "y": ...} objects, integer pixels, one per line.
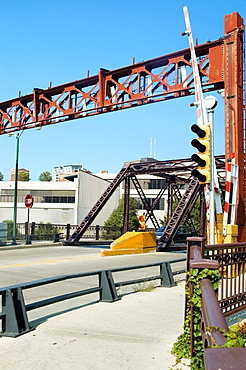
[
  {"x": 228, "y": 192},
  {"x": 207, "y": 200},
  {"x": 201, "y": 113}
]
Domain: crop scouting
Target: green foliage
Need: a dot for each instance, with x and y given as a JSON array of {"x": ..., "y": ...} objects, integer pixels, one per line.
[
  {"x": 235, "y": 337},
  {"x": 45, "y": 176},
  {"x": 1, "y": 176},
  {"x": 115, "y": 220},
  {"x": 181, "y": 349},
  {"x": 23, "y": 176},
  {"x": 45, "y": 229},
  {"x": 195, "y": 213}
]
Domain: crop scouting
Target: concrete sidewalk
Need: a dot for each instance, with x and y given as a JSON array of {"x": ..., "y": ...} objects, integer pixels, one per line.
[{"x": 136, "y": 332}]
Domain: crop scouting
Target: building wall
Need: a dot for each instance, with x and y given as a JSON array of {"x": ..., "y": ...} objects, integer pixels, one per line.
[
  {"x": 91, "y": 188},
  {"x": 70, "y": 201},
  {"x": 57, "y": 213},
  {"x": 86, "y": 190},
  {"x": 147, "y": 182},
  {"x": 59, "y": 173}
]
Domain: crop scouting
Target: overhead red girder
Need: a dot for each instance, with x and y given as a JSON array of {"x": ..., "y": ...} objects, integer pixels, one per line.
[{"x": 147, "y": 82}]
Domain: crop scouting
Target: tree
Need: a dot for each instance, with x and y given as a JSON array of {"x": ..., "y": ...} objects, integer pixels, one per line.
[
  {"x": 45, "y": 176},
  {"x": 115, "y": 220},
  {"x": 194, "y": 215},
  {"x": 1, "y": 176},
  {"x": 46, "y": 230},
  {"x": 23, "y": 176}
]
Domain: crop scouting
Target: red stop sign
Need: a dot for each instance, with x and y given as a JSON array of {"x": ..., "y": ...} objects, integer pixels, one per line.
[{"x": 29, "y": 201}]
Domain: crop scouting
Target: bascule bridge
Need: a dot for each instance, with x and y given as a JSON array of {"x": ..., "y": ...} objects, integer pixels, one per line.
[{"x": 221, "y": 67}]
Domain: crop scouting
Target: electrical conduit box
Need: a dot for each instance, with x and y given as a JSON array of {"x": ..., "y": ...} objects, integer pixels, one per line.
[{"x": 3, "y": 233}]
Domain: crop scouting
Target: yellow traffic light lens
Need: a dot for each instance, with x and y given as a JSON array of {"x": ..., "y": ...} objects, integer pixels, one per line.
[
  {"x": 202, "y": 143},
  {"x": 199, "y": 145},
  {"x": 200, "y": 161},
  {"x": 201, "y": 130},
  {"x": 202, "y": 175}
]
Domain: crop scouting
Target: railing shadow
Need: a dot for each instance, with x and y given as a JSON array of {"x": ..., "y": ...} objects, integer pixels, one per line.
[{"x": 36, "y": 322}]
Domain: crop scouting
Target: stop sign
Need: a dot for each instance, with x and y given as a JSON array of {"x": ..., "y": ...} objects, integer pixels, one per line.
[{"x": 29, "y": 201}]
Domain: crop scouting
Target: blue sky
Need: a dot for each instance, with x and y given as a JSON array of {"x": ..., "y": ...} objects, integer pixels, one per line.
[{"x": 59, "y": 41}]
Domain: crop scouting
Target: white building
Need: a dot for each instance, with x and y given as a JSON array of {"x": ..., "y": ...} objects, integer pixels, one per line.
[
  {"x": 62, "y": 202},
  {"x": 54, "y": 202},
  {"x": 60, "y": 172},
  {"x": 57, "y": 202}
]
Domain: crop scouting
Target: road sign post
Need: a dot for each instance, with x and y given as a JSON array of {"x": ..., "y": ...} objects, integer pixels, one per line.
[{"x": 28, "y": 204}]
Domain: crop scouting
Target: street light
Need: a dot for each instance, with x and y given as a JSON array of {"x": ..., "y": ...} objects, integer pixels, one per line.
[{"x": 17, "y": 136}]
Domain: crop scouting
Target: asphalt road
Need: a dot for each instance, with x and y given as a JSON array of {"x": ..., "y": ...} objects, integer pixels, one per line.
[{"x": 27, "y": 264}]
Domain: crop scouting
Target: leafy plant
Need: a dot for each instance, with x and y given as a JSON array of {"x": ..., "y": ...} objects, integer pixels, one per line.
[
  {"x": 46, "y": 229},
  {"x": 182, "y": 348},
  {"x": 45, "y": 176},
  {"x": 115, "y": 220},
  {"x": 195, "y": 214},
  {"x": 23, "y": 176},
  {"x": 235, "y": 337}
]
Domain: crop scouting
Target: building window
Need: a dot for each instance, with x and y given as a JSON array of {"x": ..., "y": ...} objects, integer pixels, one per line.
[
  {"x": 156, "y": 183},
  {"x": 45, "y": 196},
  {"x": 149, "y": 183},
  {"x": 159, "y": 206},
  {"x": 58, "y": 200}
]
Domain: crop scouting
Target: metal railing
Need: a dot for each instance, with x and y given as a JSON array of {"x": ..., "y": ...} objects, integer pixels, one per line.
[
  {"x": 14, "y": 309},
  {"x": 56, "y": 232},
  {"x": 47, "y": 231},
  {"x": 228, "y": 258},
  {"x": 232, "y": 260}
]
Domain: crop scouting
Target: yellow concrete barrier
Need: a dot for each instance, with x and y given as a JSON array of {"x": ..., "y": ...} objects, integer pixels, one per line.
[
  {"x": 231, "y": 234},
  {"x": 132, "y": 243}
]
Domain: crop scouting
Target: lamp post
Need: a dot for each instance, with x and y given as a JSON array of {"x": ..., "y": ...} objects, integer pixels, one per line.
[{"x": 17, "y": 136}]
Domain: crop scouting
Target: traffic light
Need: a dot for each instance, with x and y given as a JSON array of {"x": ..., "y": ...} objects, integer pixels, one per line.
[{"x": 202, "y": 158}]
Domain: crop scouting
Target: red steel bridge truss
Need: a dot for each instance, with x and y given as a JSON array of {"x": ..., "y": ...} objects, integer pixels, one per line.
[
  {"x": 176, "y": 174},
  {"x": 167, "y": 77}
]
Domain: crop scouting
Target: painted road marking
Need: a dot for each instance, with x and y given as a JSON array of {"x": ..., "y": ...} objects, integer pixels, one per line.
[{"x": 52, "y": 261}]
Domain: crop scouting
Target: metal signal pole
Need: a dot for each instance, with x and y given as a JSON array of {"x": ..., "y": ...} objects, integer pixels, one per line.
[{"x": 210, "y": 103}]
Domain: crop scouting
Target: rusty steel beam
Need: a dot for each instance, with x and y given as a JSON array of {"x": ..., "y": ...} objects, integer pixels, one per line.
[
  {"x": 233, "y": 61},
  {"x": 147, "y": 82}
]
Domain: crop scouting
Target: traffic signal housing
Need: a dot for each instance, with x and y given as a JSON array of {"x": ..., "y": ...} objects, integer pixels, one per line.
[{"x": 202, "y": 158}]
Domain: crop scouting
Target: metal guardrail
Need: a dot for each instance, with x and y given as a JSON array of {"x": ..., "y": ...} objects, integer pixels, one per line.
[
  {"x": 56, "y": 232},
  {"x": 34, "y": 231},
  {"x": 14, "y": 310}
]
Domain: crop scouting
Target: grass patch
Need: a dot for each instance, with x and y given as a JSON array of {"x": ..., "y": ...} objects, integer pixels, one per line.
[{"x": 146, "y": 286}]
